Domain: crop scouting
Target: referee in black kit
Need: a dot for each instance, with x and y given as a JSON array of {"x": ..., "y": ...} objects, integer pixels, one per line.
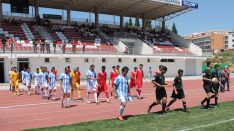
[
  {"x": 178, "y": 91},
  {"x": 160, "y": 92}
]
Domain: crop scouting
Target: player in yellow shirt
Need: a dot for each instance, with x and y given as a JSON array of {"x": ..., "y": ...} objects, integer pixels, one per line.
[
  {"x": 75, "y": 84},
  {"x": 10, "y": 77},
  {"x": 14, "y": 76}
]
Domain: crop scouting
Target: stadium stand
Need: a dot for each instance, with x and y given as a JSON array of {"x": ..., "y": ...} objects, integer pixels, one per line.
[{"x": 90, "y": 39}]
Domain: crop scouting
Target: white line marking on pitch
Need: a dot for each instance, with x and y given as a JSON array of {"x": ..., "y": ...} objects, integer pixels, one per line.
[
  {"x": 189, "y": 129},
  {"x": 46, "y": 103}
]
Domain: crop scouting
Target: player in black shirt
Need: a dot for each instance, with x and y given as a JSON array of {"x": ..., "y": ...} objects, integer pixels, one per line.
[
  {"x": 207, "y": 85},
  {"x": 160, "y": 92},
  {"x": 178, "y": 91}
]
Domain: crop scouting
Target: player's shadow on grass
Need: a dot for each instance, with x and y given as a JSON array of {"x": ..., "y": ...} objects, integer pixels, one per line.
[
  {"x": 158, "y": 112},
  {"x": 205, "y": 108},
  {"x": 163, "y": 113},
  {"x": 128, "y": 116}
]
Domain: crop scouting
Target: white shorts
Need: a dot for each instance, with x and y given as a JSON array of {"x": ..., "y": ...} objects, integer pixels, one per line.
[
  {"x": 123, "y": 99},
  {"x": 66, "y": 90},
  {"x": 91, "y": 89},
  {"x": 28, "y": 84},
  {"x": 37, "y": 84},
  {"x": 45, "y": 85}
]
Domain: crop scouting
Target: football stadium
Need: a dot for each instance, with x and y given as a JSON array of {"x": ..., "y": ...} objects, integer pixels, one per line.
[{"x": 60, "y": 72}]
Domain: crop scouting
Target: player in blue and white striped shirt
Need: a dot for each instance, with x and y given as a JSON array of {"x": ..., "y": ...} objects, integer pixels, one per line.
[
  {"x": 122, "y": 91},
  {"x": 65, "y": 84},
  {"x": 44, "y": 82},
  {"x": 22, "y": 74},
  {"x": 28, "y": 81},
  {"x": 91, "y": 83},
  {"x": 52, "y": 83},
  {"x": 37, "y": 77}
]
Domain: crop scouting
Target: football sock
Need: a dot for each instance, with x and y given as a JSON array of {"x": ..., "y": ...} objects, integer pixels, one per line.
[
  {"x": 72, "y": 94},
  {"x": 107, "y": 95},
  {"x": 79, "y": 93},
  {"x": 95, "y": 97},
  {"x": 98, "y": 94},
  {"x": 171, "y": 102},
  {"x": 164, "y": 106},
  {"x": 204, "y": 101},
  {"x": 121, "y": 110},
  {"x": 184, "y": 105},
  {"x": 216, "y": 100},
  {"x": 139, "y": 92},
  {"x": 208, "y": 103},
  {"x": 152, "y": 105}
]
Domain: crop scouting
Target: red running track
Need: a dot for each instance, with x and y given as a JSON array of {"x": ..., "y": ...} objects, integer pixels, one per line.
[{"x": 26, "y": 112}]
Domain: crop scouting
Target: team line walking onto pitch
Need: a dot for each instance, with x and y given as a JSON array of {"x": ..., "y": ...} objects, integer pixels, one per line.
[{"x": 121, "y": 85}]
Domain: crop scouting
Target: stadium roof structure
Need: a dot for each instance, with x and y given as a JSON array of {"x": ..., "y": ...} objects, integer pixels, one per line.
[{"x": 148, "y": 9}]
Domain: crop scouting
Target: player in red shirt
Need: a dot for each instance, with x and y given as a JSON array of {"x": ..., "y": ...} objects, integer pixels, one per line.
[
  {"x": 102, "y": 86},
  {"x": 132, "y": 83},
  {"x": 113, "y": 75},
  {"x": 227, "y": 72},
  {"x": 139, "y": 80}
]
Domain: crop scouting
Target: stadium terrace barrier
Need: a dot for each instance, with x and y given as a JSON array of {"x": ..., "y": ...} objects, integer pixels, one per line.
[{"x": 104, "y": 50}]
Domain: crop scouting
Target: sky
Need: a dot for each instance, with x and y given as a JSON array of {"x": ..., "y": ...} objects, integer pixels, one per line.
[{"x": 210, "y": 15}]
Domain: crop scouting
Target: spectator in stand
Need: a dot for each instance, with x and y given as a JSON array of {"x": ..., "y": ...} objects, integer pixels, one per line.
[
  {"x": 47, "y": 42},
  {"x": 74, "y": 43},
  {"x": 76, "y": 26},
  {"x": 227, "y": 71},
  {"x": 63, "y": 46},
  {"x": 4, "y": 40},
  {"x": 11, "y": 42},
  {"x": 34, "y": 46},
  {"x": 83, "y": 49},
  {"x": 42, "y": 45},
  {"x": 54, "y": 45},
  {"x": 126, "y": 50}
]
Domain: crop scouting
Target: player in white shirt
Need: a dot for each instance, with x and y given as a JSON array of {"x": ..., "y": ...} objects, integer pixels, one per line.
[{"x": 91, "y": 83}]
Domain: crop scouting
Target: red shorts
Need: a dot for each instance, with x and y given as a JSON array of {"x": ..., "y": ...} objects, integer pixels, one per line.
[
  {"x": 113, "y": 84},
  {"x": 139, "y": 84},
  {"x": 102, "y": 88},
  {"x": 132, "y": 84}
]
